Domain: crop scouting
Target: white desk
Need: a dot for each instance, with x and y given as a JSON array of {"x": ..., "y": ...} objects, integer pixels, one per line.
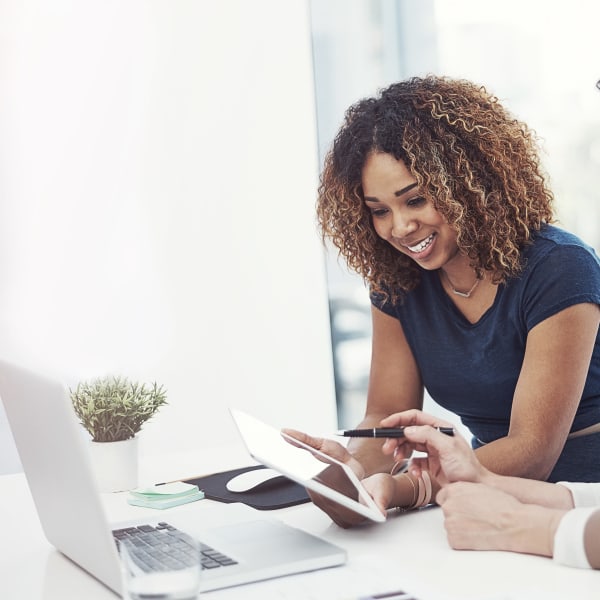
[{"x": 409, "y": 552}]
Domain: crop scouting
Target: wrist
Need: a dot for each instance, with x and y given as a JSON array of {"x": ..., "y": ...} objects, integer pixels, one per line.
[
  {"x": 405, "y": 491},
  {"x": 531, "y": 529},
  {"x": 489, "y": 478},
  {"x": 413, "y": 492}
]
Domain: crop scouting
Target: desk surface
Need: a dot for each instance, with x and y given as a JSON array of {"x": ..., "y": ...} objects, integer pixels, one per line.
[{"x": 408, "y": 552}]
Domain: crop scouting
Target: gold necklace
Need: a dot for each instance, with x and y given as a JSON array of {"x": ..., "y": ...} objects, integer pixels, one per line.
[{"x": 458, "y": 292}]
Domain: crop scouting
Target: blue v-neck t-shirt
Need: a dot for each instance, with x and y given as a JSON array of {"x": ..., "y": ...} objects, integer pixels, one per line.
[{"x": 472, "y": 369}]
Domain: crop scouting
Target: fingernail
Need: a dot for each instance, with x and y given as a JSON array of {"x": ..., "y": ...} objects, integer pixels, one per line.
[{"x": 410, "y": 429}]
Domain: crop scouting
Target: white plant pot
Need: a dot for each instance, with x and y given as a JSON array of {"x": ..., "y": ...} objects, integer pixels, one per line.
[{"x": 115, "y": 464}]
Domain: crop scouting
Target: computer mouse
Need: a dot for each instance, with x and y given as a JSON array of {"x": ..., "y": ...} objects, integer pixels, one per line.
[{"x": 250, "y": 480}]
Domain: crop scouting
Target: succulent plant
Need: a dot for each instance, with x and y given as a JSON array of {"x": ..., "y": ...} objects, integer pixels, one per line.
[{"x": 114, "y": 409}]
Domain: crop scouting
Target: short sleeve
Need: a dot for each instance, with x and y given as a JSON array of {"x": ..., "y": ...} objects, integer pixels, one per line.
[
  {"x": 378, "y": 301},
  {"x": 565, "y": 276}
]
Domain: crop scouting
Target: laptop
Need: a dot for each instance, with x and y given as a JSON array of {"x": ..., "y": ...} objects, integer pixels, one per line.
[{"x": 57, "y": 467}]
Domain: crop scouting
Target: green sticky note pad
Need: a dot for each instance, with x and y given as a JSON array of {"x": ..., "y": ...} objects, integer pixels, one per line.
[
  {"x": 166, "y": 495},
  {"x": 174, "y": 489},
  {"x": 162, "y": 502}
]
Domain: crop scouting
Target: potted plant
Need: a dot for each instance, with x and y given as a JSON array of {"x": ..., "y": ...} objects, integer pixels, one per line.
[{"x": 113, "y": 410}]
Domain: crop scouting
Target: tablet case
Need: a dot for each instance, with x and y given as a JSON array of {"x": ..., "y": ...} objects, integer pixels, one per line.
[{"x": 278, "y": 493}]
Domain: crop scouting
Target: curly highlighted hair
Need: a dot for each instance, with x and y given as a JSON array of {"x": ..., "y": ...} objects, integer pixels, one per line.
[{"x": 472, "y": 159}]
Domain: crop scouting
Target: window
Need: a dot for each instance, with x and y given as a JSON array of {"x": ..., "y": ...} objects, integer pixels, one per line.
[{"x": 540, "y": 59}]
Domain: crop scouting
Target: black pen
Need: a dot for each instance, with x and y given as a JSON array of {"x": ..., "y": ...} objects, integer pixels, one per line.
[{"x": 385, "y": 432}]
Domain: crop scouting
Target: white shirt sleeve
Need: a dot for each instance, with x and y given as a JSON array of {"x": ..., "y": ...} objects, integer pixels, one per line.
[
  {"x": 584, "y": 494},
  {"x": 569, "y": 546}
]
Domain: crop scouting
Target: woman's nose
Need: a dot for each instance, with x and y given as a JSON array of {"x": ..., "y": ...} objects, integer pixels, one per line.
[{"x": 402, "y": 225}]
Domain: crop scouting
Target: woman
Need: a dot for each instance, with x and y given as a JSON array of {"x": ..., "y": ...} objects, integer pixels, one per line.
[{"x": 434, "y": 194}]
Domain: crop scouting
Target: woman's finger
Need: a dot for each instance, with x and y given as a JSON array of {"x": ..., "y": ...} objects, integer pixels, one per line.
[{"x": 324, "y": 445}]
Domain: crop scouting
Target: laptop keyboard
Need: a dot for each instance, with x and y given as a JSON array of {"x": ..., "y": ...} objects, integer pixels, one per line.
[{"x": 163, "y": 547}]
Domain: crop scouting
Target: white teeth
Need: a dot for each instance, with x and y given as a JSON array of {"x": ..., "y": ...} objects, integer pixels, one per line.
[{"x": 420, "y": 247}]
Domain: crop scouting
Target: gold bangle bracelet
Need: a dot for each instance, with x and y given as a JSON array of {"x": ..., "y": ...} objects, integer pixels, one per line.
[
  {"x": 422, "y": 493},
  {"x": 414, "y": 498},
  {"x": 428, "y": 489}
]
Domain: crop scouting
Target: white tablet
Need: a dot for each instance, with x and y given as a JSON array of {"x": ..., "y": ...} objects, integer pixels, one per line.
[{"x": 303, "y": 464}]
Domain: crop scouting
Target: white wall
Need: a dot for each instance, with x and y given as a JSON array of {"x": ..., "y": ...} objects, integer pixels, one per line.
[{"x": 158, "y": 175}]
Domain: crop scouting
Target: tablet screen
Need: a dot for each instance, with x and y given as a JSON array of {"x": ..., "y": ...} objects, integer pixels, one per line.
[{"x": 305, "y": 465}]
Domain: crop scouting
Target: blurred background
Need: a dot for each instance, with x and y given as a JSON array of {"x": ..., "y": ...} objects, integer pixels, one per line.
[{"x": 540, "y": 58}]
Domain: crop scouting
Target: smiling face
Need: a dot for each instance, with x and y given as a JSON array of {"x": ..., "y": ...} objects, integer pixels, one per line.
[{"x": 402, "y": 216}]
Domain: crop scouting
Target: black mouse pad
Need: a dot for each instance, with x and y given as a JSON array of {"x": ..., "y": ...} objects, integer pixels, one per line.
[{"x": 278, "y": 493}]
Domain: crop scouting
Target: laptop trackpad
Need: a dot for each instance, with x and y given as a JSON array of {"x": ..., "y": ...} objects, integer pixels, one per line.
[
  {"x": 254, "y": 532},
  {"x": 265, "y": 538}
]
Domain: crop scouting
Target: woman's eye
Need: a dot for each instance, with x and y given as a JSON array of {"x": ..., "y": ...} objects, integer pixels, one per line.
[
  {"x": 416, "y": 201},
  {"x": 379, "y": 212}
]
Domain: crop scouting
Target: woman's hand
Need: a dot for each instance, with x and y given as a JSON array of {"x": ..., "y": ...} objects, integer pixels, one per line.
[
  {"x": 403, "y": 447},
  {"x": 449, "y": 458},
  {"x": 328, "y": 447},
  {"x": 478, "y": 517},
  {"x": 340, "y": 515},
  {"x": 382, "y": 488}
]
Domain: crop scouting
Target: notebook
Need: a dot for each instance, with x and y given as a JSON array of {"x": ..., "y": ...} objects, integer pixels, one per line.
[{"x": 58, "y": 470}]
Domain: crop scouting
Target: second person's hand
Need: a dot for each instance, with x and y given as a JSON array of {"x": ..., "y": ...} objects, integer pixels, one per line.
[{"x": 449, "y": 458}]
